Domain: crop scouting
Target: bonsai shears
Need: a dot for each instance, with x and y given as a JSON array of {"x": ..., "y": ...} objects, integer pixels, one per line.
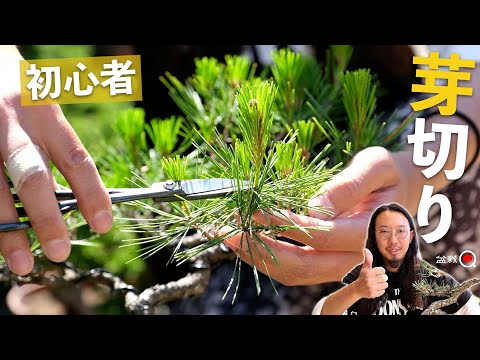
[{"x": 167, "y": 191}]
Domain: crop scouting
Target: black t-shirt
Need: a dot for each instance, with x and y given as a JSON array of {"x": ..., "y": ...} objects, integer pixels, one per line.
[{"x": 393, "y": 304}]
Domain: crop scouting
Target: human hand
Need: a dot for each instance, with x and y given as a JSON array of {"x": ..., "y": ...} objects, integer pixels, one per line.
[
  {"x": 371, "y": 282},
  {"x": 31, "y": 136},
  {"x": 293, "y": 264},
  {"x": 374, "y": 177}
]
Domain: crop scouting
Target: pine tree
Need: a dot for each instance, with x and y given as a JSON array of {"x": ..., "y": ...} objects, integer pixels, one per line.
[{"x": 286, "y": 131}]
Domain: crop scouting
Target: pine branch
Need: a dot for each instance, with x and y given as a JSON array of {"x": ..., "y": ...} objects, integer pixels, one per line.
[
  {"x": 63, "y": 278},
  {"x": 277, "y": 171},
  {"x": 337, "y": 59},
  {"x": 434, "y": 308},
  {"x": 193, "y": 284},
  {"x": 430, "y": 288}
]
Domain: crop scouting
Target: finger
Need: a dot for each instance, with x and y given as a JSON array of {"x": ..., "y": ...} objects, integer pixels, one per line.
[
  {"x": 383, "y": 277},
  {"x": 293, "y": 265},
  {"x": 379, "y": 270},
  {"x": 382, "y": 285},
  {"x": 367, "y": 264},
  {"x": 46, "y": 161},
  {"x": 32, "y": 182},
  {"x": 14, "y": 246},
  {"x": 336, "y": 235},
  {"x": 77, "y": 166},
  {"x": 369, "y": 170}
]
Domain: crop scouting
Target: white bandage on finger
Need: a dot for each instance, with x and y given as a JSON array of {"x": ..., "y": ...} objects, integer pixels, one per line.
[{"x": 23, "y": 163}]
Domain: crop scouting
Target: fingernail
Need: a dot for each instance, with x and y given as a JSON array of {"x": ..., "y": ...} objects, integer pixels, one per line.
[
  {"x": 102, "y": 222},
  {"x": 20, "y": 262},
  {"x": 57, "y": 250}
]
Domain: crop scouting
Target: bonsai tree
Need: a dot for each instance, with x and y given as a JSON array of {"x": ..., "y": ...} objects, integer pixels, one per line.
[
  {"x": 286, "y": 131},
  {"x": 449, "y": 293}
]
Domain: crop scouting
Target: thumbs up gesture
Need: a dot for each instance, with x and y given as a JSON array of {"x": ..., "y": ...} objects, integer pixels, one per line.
[{"x": 371, "y": 282}]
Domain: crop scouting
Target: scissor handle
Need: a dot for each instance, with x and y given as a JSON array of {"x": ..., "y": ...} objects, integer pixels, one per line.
[
  {"x": 116, "y": 195},
  {"x": 15, "y": 226},
  {"x": 65, "y": 207}
]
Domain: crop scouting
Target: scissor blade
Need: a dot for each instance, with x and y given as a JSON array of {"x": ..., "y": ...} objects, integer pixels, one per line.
[
  {"x": 139, "y": 194},
  {"x": 205, "y": 188},
  {"x": 210, "y": 188}
]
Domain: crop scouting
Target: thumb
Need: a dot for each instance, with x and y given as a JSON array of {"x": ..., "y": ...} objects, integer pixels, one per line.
[
  {"x": 367, "y": 264},
  {"x": 353, "y": 184}
]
